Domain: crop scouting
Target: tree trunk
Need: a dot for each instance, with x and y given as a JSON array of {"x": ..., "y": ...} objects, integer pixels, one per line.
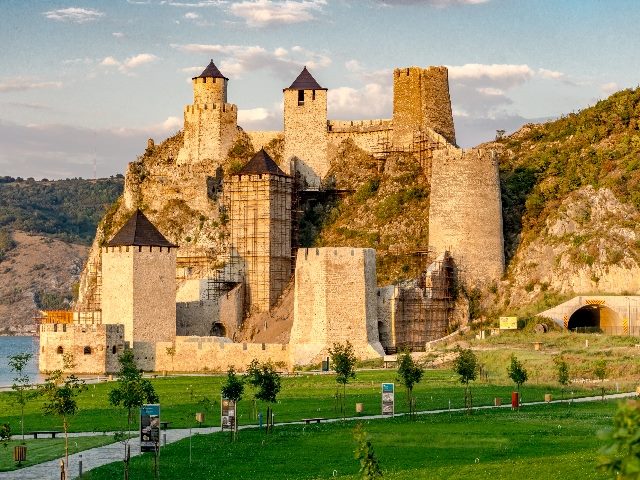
[
  {"x": 66, "y": 447},
  {"x": 22, "y": 421}
]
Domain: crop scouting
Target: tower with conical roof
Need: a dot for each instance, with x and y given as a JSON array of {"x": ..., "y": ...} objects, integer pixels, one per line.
[
  {"x": 139, "y": 286},
  {"x": 260, "y": 217},
  {"x": 210, "y": 123},
  {"x": 305, "y": 129}
]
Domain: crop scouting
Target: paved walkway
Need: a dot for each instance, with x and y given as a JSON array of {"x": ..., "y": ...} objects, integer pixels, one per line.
[{"x": 99, "y": 456}]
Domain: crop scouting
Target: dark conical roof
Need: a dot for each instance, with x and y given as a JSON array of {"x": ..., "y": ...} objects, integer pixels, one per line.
[
  {"x": 305, "y": 81},
  {"x": 261, "y": 163},
  {"x": 139, "y": 231},
  {"x": 211, "y": 72}
]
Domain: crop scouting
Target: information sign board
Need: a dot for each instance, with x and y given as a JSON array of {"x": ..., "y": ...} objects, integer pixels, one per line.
[
  {"x": 388, "y": 399},
  {"x": 228, "y": 414},
  {"x": 149, "y": 427},
  {"x": 508, "y": 323}
]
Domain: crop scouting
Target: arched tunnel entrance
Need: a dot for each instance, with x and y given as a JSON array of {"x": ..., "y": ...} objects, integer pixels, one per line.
[{"x": 595, "y": 318}]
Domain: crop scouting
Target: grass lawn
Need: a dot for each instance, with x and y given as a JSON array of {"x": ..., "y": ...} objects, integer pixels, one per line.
[
  {"x": 44, "y": 449},
  {"x": 302, "y": 396},
  {"x": 541, "y": 442}
]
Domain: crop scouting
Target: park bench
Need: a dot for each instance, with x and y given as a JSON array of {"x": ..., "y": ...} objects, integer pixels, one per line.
[
  {"x": 53, "y": 433},
  {"x": 164, "y": 425},
  {"x": 312, "y": 420}
]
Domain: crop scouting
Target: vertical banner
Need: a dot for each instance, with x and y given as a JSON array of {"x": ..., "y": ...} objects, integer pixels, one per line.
[
  {"x": 388, "y": 399},
  {"x": 149, "y": 427},
  {"x": 228, "y": 414}
]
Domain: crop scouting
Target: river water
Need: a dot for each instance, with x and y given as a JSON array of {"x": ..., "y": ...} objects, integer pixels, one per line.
[{"x": 11, "y": 346}]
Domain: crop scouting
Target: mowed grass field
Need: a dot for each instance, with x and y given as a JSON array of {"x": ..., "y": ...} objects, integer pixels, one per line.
[
  {"x": 302, "y": 396},
  {"x": 539, "y": 442}
]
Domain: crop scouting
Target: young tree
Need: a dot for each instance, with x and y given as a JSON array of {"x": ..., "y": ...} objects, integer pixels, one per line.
[
  {"x": 369, "y": 466},
  {"x": 131, "y": 392},
  {"x": 5, "y": 434},
  {"x": 266, "y": 380},
  {"x": 466, "y": 366},
  {"x": 344, "y": 361},
  {"x": 517, "y": 373},
  {"x": 620, "y": 457},
  {"x": 562, "y": 373},
  {"x": 59, "y": 392},
  {"x": 21, "y": 385},
  {"x": 600, "y": 371},
  {"x": 409, "y": 373},
  {"x": 233, "y": 390}
]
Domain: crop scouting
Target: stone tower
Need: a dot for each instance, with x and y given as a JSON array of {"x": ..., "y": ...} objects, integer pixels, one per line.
[
  {"x": 421, "y": 100},
  {"x": 465, "y": 213},
  {"x": 139, "y": 286},
  {"x": 335, "y": 300},
  {"x": 305, "y": 129},
  {"x": 260, "y": 197},
  {"x": 210, "y": 123}
]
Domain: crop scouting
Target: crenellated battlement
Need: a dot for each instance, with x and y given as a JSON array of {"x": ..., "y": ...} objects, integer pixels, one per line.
[
  {"x": 342, "y": 126},
  {"x": 199, "y": 108}
]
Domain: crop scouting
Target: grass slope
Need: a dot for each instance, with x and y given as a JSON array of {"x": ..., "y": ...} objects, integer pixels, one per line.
[{"x": 550, "y": 441}]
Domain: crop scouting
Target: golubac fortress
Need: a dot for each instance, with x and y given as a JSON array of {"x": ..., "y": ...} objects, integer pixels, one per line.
[{"x": 184, "y": 310}]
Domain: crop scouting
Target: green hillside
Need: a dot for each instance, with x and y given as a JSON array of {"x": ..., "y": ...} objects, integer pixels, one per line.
[
  {"x": 542, "y": 164},
  {"x": 66, "y": 209}
]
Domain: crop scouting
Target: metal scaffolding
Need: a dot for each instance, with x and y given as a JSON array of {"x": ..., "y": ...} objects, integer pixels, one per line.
[{"x": 424, "y": 311}]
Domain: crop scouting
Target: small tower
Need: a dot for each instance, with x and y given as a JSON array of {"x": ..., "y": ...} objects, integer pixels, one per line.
[
  {"x": 210, "y": 123},
  {"x": 421, "y": 100},
  {"x": 260, "y": 216},
  {"x": 139, "y": 286},
  {"x": 305, "y": 129}
]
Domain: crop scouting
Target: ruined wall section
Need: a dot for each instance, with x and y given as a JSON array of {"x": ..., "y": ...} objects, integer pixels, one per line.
[
  {"x": 260, "y": 139},
  {"x": 465, "y": 214},
  {"x": 305, "y": 134},
  {"x": 366, "y": 134},
  {"x": 95, "y": 348},
  {"x": 335, "y": 300}
]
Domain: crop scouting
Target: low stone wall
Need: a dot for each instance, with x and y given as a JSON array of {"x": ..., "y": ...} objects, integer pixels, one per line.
[{"x": 95, "y": 348}]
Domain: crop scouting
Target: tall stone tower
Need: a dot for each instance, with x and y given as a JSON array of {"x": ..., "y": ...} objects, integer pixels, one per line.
[
  {"x": 421, "y": 100},
  {"x": 260, "y": 197},
  {"x": 139, "y": 286},
  {"x": 465, "y": 213},
  {"x": 305, "y": 129},
  {"x": 210, "y": 123}
]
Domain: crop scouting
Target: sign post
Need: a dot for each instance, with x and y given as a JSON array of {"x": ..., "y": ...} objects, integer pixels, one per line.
[
  {"x": 228, "y": 415},
  {"x": 508, "y": 323},
  {"x": 388, "y": 399},
  {"x": 149, "y": 427}
]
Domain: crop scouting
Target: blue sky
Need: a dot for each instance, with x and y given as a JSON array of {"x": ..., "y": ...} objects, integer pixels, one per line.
[{"x": 86, "y": 80}]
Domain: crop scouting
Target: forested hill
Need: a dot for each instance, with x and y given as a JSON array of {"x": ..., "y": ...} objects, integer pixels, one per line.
[
  {"x": 66, "y": 209},
  {"x": 542, "y": 164}
]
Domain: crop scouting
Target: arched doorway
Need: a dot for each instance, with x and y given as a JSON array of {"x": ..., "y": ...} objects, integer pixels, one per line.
[
  {"x": 595, "y": 318},
  {"x": 218, "y": 330}
]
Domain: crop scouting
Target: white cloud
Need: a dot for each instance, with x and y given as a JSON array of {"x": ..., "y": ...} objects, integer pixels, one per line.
[
  {"x": 74, "y": 15},
  {"x": 373, "y": 100},
  {"x": 192, "y": 16},
  {"x": 550, "y": 74},
  {"x": 118, "y": 34},
  {"x": 128, "y": 64},
  {"x": 609, "y": 88},
  {"x": 505, "y": 75},
  {"x": 490, "y": 91},
  {"x": 253, "y": 115},
  {"x": 353, "y": 66},
  {"x": 236, "y": 60},
  {"x": 261, "y": 13},
  {"x": 21, "y": 84},
  {"x": 201, "y": 4}
]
